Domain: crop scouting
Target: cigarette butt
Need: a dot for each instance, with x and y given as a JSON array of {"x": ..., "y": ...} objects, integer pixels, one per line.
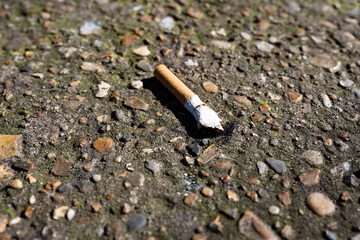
[
  {"x": 204, "y": 115},
  {"x": 173, "y": 84}
]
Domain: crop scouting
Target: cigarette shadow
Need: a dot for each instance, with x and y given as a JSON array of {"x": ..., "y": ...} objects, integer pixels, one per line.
[{"x": 170, "y": 102}]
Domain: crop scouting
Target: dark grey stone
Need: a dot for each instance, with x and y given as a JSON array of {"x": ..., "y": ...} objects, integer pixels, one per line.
[
  {"x": 65, "y": 187},
  {"x": 194, "y": 148},
  {"x": 144, "y": 65},
  {"x": 136, "y": 223},
  {"x": 277, "y": 165}
]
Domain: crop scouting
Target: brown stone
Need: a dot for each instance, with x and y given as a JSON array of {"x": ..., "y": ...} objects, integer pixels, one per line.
[
  {"x": 3, "y": 223},
  {"x": 263, "y": 24},
  {"x": 191, "y": 199},
  {"x": 312, "y": 157},
  {"x": 194, "y": 12},
  {"x": 5, "y": 173},
  {"x": 207, "y": 192},
  {"x": 293, "y": 97},
  {"x": 165, "y": 51},
  {"x": 136, "y": 103},
  {"x": 253, "y": 196},
  {"x": 61, "y": 168},
  {"x": 324, "y": 61},
  {"x": 243, "y": 100},
  {"x": 128, "y": 40},
  {"x": 198, "y": 236},
  {"x": 58, "y": 198},
  {"x": 253, "y": 228},
  {"x": 311, "y": 177},
  {"x": 284, "y": 198},
  {"x": 210, "y": 87},
  {"x": 82, "y": 142},
  {"x": 10, "y": 146},
  {"x": 299, "y": 32},
  {"x": 222, "y": 166},
  {"x": 28, "y": 212},
  {"x": 96, "y": 207},
  {"x": 264, "y": 108},
  {"x": 16, "y": 183},
  {"x": 211, "y": 152},
  {"x": 216, "y": 226},
  {"x": 23, "y": 165},
  {"x": 226, "y": 178},
  {"x": 254, "y": 181},
  {"x": 134, "y": 180},
  {"x": 232, "y": 196},
  {"x": 103, "y": 145},
  {"x": 345, "y": 196}
]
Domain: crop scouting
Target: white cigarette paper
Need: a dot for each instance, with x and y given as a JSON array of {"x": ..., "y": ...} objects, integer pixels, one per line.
[{"x": 204, "y": 115}]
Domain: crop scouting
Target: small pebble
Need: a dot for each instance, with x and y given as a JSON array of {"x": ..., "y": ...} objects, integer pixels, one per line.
[
  {"x": 152, "y": 166},
  {"x": 136, "y": 223},
  {"x": 60, "y": 212},
  {"x": 264, "y": 46},
  {"x": 311, "y": 177},
  {"x": 231, "y": 213},
  {"x": 70, "y": 214},
  {"x": 326, "y": 100},
  {"x": 142, "y": 51},
  {"x": 126, "y": 208},
  {"x": 287, "y": 232},
  {"x": 16, "y": 183},
  {"x": 330, "y": 235},
  {"x": 346, "y": 83},
  {"x": 277, "y": 165},
  {"x": 144, "y": 65},
  {"x": 207, "y": 192},
  {"x": 137, "y": 84},
  {"x": 136, "y": 103},
  {"x": 32, "y": 199},
  {"x": 262, "y": 167},
  {"x": 274, "y": 210},
  {"x": 232, "y": 196},
  {"x": 103, "y": 89},
  {"x": 221, "y": 44},
  {"x": 191, "y": 199},
  {"x": 320, "y": 204},
  {"x": 210, "y": 87},
  {"x": 243, "y": 100},
  {"x": 96, "y": 177},
  {"x": 312, "y": 157},
  {"x": 191, "y": 63},
  {"x": 284, "y": 198},
  {"x": 167, "y": 23}
]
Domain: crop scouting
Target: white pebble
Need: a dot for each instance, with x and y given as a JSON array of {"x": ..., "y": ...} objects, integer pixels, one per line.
[
  {"x": 326, "y": 100},
  {"x": 96, "y": 177},
  {"x": 15, "y": 221},
  {"x": 167, "y": 23},
  {"x": 70, "y": 214},
  {"x": 51, "y": 155},
  {"x": 103, "y": 89},
  {"x": 274, "y": 210},
  {"x": 32, "y": 199},
  {"x": 191, "y": 63},
  {"x": 137, "y": 84},
  {"x": 246, "y": 36},
  {"x": 118, "y": 159}
]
